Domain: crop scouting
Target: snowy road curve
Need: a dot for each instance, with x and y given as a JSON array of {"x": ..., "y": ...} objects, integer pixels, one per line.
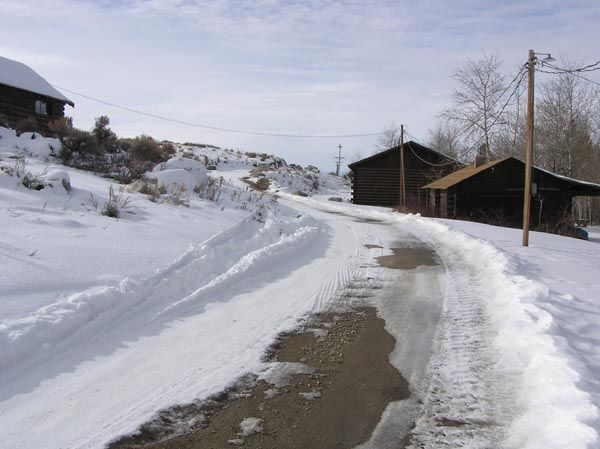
[{"x": 96, "y": 365}]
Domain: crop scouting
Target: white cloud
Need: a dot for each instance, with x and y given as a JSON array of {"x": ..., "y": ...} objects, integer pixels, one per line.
[{"x": 315, "y": 67}]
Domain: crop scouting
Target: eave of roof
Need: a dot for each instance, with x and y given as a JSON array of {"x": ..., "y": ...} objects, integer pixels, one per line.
[
  {"x": 20, "y": 76},
  {"x": 465, "y": 173},
  {"x": 460, "y": 175},
  {"x": 410, "y": 144}
]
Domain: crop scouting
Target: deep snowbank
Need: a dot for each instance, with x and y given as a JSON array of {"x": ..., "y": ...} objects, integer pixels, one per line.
[
  {"x": 204, "y": 266},
  {"x": 497, "y": 371}
]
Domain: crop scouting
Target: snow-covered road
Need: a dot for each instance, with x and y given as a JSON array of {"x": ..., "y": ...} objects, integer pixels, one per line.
[
  {"x": 473, "y": 347},
  {"x": 101, "y": 363}
]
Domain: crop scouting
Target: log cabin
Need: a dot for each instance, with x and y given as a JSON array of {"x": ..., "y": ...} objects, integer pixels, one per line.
[
  {"x": 25, "y": 95},
  {"x": 376, "y": 179},
  {"x": 492, "y": 193}
]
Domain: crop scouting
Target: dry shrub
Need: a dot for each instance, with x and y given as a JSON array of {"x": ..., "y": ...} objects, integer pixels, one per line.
[
  {"x": 116, "y": 204},
  {"x": 263, "y": 184},
  {"x": 26, "y": 125}
]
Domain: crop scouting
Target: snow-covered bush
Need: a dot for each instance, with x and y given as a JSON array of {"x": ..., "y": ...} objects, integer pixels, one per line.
[
  {"x": 34, "y": 181},
  {"x": 55, "y": 176},
  {"x": 178, "y": 195},
  {"x": 149, "y": 187},
  {"x": 178, "y": 176},
  {"x": 195, "y": 168}
]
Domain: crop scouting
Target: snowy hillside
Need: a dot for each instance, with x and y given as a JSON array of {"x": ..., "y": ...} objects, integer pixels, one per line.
[{"x": 267, "y": 172}]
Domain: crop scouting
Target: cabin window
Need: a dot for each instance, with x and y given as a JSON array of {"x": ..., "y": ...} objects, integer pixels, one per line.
[{"x": 41, "y": 107}]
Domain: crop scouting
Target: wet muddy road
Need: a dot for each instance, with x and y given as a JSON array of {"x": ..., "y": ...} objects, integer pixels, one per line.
[
  {"x": 330, "y": 381},
  {"x": 336, "y": 406}
]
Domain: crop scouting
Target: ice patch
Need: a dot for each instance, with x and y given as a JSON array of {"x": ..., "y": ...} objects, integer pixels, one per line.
[
  {"x": 318, "y": 333},
  {"x": 250, "y": 426},
  {"x": 271, "y": 393},
  {"x": 280, "y": 373},
  {"x": 310, "y": 395}
]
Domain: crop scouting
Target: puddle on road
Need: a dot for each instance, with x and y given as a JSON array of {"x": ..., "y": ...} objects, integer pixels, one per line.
[{"x": 408, "y": 258}]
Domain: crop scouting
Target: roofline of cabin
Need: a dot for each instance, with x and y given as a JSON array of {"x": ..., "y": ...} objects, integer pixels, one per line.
[
  {"x": 410, "y": 143},
  {"x": 62, "y": 100}
]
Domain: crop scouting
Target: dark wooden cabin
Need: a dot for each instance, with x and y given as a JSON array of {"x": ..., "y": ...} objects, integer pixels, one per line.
[
  {"x": 493, "y": 193},
  {"x": 25, "y": 95},
  {"x": 376, "y": 179}
]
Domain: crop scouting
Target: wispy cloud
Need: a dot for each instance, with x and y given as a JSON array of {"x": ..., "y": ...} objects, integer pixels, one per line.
[{"x": 333, "y": 66}]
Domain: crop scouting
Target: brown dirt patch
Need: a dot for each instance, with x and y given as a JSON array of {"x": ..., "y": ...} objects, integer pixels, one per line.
[{"x": 352, "y": 384}]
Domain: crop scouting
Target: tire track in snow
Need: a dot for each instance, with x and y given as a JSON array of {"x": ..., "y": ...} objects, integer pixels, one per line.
[{"x": 467, "y": 401}]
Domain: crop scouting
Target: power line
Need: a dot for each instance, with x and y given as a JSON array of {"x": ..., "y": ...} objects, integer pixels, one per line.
[
  {"x": 216, "y": 128},
  {"x": 452, "y": 162},
  {"x": 522, "y": 74},
  {"x": 588, "y": 68},
  {"x": 455, "y": 159},
  {"x": 577, "y": 75}
]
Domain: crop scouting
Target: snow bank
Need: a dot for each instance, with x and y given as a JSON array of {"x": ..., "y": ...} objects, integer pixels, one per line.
[
  {"x": 173, "y": 179},
  {"x": 511, "y": 370},
  {"x": 179, "y": 172},
  {"x": 28, "y": 144},
  {"x": 204, "y": 267},
  {"x": 552, "y": 412},
  {"x": 193, "y": 167}
]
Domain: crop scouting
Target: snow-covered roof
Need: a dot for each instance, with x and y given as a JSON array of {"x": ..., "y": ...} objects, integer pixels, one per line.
[{"x": 17, "y": 74}]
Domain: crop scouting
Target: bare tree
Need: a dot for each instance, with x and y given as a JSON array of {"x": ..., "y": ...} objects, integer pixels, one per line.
[
  {"x": 444, "y": 137},
  {"x": 477, "y": 107},
  {"x": 390, "y": 137},
  {"x": 565, "y": 125},
  {"x": 509, "y": 138}
]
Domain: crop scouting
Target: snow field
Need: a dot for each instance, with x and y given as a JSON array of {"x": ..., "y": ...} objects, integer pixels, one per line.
[
  {"x": 498, "y": 376},
  {"x": 206, "y": 266}
]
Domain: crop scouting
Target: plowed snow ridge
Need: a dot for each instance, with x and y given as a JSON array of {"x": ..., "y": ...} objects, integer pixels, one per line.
[{"x": 205, "y": 266}]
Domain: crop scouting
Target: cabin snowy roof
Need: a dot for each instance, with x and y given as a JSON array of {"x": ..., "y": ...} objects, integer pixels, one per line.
[{"x": 17, "y": 74}]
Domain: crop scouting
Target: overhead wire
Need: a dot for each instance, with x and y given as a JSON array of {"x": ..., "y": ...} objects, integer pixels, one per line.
[
  {"x": 520, "y": 76},
  {"x": 216, "y": 128},
  {"x": 575, "y": 74},
  {"x": 588, "y": 68},
  {"x": 520, "y": 73}
]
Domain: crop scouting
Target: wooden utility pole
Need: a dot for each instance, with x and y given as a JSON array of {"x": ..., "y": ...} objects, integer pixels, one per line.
[
  {"x": 339, "y": 160},
  {"x": 528, "y": 147},
  {"x": 402, "y": 181}
]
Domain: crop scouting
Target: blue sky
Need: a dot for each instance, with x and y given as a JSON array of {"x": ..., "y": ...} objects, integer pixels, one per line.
[{"x": 297, "y": 67}]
